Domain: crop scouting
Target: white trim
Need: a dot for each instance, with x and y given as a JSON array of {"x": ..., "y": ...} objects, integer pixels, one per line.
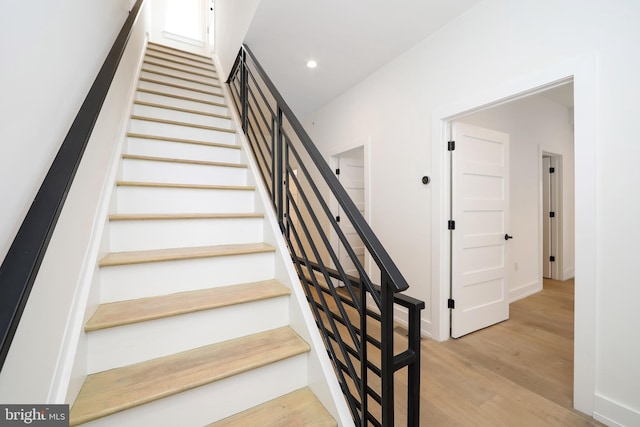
[
  {"x": 614, "y": 414},
  {"x": 334, "y": 153},
  {"x": 524, "y": 291},
  {"x": 569, "y": 273},
  {"x": 400, "y": 318},
  {"x": 583, "y": 72}
]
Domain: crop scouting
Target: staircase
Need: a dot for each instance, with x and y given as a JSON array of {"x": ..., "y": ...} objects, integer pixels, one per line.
[{"x": 192, "y": 328}]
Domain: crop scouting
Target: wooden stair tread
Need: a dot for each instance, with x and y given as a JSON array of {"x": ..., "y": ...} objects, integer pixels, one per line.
[
  {"x": 186, "y": 79},
  {"x": 192, "y": 89},
  {"x": 140, "y": 310},
  {"x": 186, "y": 161},
  {"x": 177, "y": 185},
  {"x": 182, "y": 110},
  {"x": 155, "y": 54},
  {"x": 182, "y": 97},
  {"x": 175, "y": 254},
  {"x": 184, "y": 69},
  {"x": 298, "y": 408},
  {"x": 181, "y": 55},
  {"x": 164, "y": 216},
  {"x": 181, "y": 140},
  {"x": 175, "y": 122},
  {"x": 118, "y": 389},
  {"x": 156, "y": 46}
]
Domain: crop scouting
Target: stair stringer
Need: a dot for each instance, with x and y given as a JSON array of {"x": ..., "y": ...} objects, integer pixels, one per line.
[{"x": 321, "y": 376}]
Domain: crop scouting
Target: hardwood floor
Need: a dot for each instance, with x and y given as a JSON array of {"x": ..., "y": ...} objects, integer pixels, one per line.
[{"x": 516, "y": 373}]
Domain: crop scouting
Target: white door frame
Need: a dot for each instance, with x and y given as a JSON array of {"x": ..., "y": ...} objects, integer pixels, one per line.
[
  {"x": 582, "y": 71},
  {"x": 334, "y": 154}
]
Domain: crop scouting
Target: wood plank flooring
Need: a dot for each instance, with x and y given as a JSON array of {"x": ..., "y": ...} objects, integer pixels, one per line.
[{"x": 516, "y": 373}]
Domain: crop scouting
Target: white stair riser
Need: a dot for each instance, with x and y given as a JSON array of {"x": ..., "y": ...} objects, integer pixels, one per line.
[
  {"x": 181, "y": 116},
  {"x": 131, "y": 235},
  {"x": 181, "y": 103},
  {"x": 178, "y": 131},
  {"x": 181, "y": 92},
  {"x": 215, "y": 401},
  {"x": 161, "y": 337},
  {"x": 183, "y": 173},
  {"x": 181, "y": 150},
  {"x": 119, "y": 283},
  {"x": 201, "y": 76},
  {"x": 154, "y": 58},
  {"x": 169, "y": 55},
  {"x": 182, "y": 200},
  {"x": 178, "y": 81}
]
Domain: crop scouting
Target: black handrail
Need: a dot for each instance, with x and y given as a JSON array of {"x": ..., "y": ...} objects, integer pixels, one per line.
[
  {"x": 290, "y": 163},
  {"x": 22, "y": 262}
]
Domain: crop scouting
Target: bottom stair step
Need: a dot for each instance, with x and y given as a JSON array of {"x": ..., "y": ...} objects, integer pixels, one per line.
[
  {"x": 116, "y": 390},
  {"x": 299, "y": 408}
]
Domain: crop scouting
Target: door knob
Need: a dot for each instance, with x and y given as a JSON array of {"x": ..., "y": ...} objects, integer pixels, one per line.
[{"x": 507, "y": 237}]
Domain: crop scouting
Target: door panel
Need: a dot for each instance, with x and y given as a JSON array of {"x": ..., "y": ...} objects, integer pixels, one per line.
[
  {"x": 546, "y": 220},
  {"x": 480, "y": 208}
]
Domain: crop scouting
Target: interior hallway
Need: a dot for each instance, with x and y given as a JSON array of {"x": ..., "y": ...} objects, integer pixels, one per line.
[{"x": 519, "y": 372}]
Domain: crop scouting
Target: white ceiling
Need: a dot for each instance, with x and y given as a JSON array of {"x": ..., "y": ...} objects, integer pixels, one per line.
[{"x": 350, "y": 39}]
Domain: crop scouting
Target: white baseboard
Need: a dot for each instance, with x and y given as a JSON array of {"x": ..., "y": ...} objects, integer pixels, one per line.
[
  {"x": 568, "y": 273},
  {"x": 614, "y": 414},
  {"x": 524, "y": 291}
]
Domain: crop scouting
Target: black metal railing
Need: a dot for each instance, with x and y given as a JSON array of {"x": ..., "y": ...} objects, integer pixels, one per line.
[
  {"x": 22, "y": 262},
  {"x": 354, "y": 315}
]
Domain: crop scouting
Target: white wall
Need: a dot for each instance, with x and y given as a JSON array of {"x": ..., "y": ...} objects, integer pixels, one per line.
[
  {"x": 496, "y": 43},
  {"x": 47, "y": 70},
  {"x": 232, "y": 20},
  {"x": 535, "y": 124},
  {"x": 39, "y": 363}
]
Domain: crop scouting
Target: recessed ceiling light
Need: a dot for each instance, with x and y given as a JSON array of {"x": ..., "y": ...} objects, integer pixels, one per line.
[{"x": 312, "y": 64}]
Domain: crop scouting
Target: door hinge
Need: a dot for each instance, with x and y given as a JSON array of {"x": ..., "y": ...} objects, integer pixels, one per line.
[
  {"x": 552, "y": 170},
  {"x": 451, "y": 145},
  {"x": 338, "y": 171},
  {"x": 552, "y": 258},
  {"x": 338, "y": 218},
  {"x": 552, "y": 214},
  {"x": 451, "y": 303},
  {"x": 451, "y": 224}
]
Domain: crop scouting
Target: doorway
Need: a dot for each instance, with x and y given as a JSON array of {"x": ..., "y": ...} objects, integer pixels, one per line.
[
  {"x": 508, "y": 226},
  {"x": 580, "y": 71},
  {"x": 349, "y": 167}
]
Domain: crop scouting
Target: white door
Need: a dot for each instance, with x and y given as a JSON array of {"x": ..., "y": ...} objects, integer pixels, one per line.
[
  {"x": 547, "y": 237},
  {"x": 480, "y": 209},
  {"x": 351, "y": 176},
  {"x": 551, "y": 215}
]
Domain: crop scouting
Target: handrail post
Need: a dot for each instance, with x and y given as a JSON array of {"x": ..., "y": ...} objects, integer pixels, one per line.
[
  {"x": 364, "y": 357},
  {"x": 279, "y": 188},
  {"x": 386, "y": 313},
  {"x": 274, "y": 162},
  {"x": 244, "y": 89},
  {"x": 413, "y": 372}
]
